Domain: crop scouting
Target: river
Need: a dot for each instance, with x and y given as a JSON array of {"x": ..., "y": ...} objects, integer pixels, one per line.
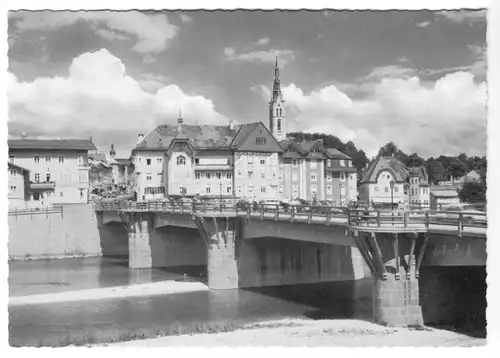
[{"x": 108, "y": 320}]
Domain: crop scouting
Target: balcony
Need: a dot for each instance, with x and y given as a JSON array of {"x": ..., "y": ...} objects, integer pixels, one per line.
[{"x": 42, "y": 185}]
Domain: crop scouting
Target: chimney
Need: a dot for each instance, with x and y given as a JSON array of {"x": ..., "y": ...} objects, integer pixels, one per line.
[
  {"x": 231, "y": 125},
  {"x": 140, "y": 138}
]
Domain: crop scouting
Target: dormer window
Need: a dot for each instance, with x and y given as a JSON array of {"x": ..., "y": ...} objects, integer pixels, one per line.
[
  {"x": 260, "y": 141},
  {"x": 181, "y": 160}
]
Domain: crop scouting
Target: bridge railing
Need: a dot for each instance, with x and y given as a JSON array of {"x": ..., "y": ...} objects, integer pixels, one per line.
[{"x": 311, "y": 213}]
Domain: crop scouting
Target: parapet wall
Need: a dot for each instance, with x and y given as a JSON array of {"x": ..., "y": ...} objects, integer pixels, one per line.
[{"x": 75, "y": 233}]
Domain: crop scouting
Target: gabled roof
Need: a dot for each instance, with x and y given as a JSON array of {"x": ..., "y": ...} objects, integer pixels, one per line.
[
  {"x": 243, "y": 133},
  {"x": 52, "y": 144},
  {"x": 336, "y": 154},
  {"x": 251, "y": 133},
  {"x": 384, "y": 163},
  {"x": 201, "y": 137},
  {"x": 18, "y": 167}
]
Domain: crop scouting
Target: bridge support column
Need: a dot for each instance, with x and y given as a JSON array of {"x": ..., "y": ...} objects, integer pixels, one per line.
[
  {"x": 221, "y": 236},
  {"x": 392, "y": 262},
  {"x": 141, "y": 226}
]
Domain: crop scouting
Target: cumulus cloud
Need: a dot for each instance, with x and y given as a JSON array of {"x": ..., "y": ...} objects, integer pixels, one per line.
[
  {"x": 98, "y": 99},
  {"x": 444, "y": 117},
  {"x": 262, "y": 42},
  {"x": 461, "y": 16},
  {"x": 423, "y": 24},
  {"x": 259, "y": 56},
  {"x": 151, "y": 32},
  {"x": 186, "y": 19}
]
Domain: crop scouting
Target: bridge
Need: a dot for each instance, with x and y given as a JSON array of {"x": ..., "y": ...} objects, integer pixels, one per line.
[{"x": 393, "y": 245}]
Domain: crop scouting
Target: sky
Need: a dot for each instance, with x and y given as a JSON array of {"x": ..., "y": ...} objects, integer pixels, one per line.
[{"x": 417, "y": 78}]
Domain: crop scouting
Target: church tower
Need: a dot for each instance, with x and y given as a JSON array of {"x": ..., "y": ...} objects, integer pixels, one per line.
[{"x": 277, "y": 108}]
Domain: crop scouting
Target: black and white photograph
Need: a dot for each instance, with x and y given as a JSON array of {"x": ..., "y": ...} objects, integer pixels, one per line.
[{"x": 247, "y": 178}]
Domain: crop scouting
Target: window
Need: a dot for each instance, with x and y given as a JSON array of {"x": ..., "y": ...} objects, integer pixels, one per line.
[
  {"x": 313, "y": 177},
  {"x": 11, "y": 159},
  {"x": 207, "y": 190},
  {"x": 12, "y": 188},
  {"x": 294, "y": 163},
  {"x": 47, "y": 177},
  {"x": 348, "y": 163},
  {"x": 229, "y": 175},
  {"x": 37, "y": 159},
  {"x": 250, "y": 158},
  {"x": 342, "y": 163},
  {"x": 13, "y": 172},
  {"x": 250, "y": 174},
  {"x": 229, "y": 189},
  {"x": 262, "y": 176},
  {"x": 37, "y": 178},
  {"x": 158, "y": 160},
  {"x": 328, "y": 177},
  {"x": 329, "y": 189},
  {"x": 260, "y": 141},
  {"x": 405, "y": 190},
  {"x": 386, "y": 189},
  {"x": 61, "y": 194},
  {"x": 36, "y": 196},
  {"x": 180, "y": 160},
  {"x": 148, "y": 161},
  {"x": 295, "y": 189},
  {"x": 197, "y": 176},
  {"x": 218, "y": 175},
  {"x": 294, "y": 176},
  {"x": 207, "y": 175},
  {"x": 80, "y": 161},
  {"x": 314, "y": 164},
  {"x": 328, "y": 163},
  {"x": 196, "y": 160},
  {"x": 250, "y": 189},
  {"x": 376, "y": 189},
  {"x": 47, "y": 159},
  {"x": 263, "y": 161},
  {"x": 342, "y": 176},
  {"x": 239, "y": 173},
  {"x": 280, "y": 189},
  {"x": 240, "y": 189},
  {"x": 262, "y": 189},
  {"x": 396, "y": 189},
  {"x": 313, "y": 189},
  {"x": 279, "y": 121},
  {"x": 148, "y": 177}
]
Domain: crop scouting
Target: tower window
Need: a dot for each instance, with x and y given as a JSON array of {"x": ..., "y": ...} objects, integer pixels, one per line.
[{"x": 279, "y": 124}]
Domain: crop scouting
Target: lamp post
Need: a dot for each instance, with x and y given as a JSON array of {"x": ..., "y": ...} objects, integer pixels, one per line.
[{"x": 392, "y": 200}]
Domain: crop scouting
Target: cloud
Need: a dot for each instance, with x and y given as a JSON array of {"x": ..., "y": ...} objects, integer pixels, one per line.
[
  {"x": 446, "y": 117},
  {"x": 461, "y": 16},
  {"x": 262, "y": 42},
  {"x": 260, "y": 56},
  {"x": 98, "y": 99},
  {"x": 423, "y": 24},
  {"x": 152, "y": 32},
  {"x": 186, "y": 19}
]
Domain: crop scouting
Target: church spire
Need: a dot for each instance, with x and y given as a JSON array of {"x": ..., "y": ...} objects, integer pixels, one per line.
[{"x": 276, "y": 85}]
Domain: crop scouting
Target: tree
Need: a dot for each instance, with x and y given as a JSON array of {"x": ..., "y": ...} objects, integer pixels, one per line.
[
  {"x": 473, "y": 192},
  {"x": 388, "y": 150},
  {"x": 436, "y": 171},
  {"x": 414, "y": 160}
]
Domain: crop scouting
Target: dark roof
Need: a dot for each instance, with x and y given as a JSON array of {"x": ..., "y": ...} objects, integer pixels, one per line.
[
  {"x": 98, "y": 156},
  {"x": 14, "y": 166},
  {"x": 401, "y": 172},
  {"x": 243, "y": 133},
  {"x": 61, "y": 144},
  {"x": 204, "y": 136},
  {"x": 336, "y": 154}
]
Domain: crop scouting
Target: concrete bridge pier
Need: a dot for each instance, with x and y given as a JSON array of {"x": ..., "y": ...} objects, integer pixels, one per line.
[
  {"x": 221, "y": 236},
  {"x": 140, "y": 227},
  {"x": 394, "y": 265}
]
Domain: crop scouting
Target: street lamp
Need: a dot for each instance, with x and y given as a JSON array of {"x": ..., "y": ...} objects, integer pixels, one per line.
[{"x": 392, "y": 200}]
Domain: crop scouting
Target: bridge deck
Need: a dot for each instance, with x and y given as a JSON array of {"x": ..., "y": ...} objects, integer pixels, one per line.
[{"x": 459, "y": 223}]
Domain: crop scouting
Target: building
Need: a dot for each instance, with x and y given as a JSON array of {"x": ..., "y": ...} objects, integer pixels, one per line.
[
  {"x": 19, "y": 180},
  {"x": 411, "y": 186},
  {"x": 58, "y": 169},
  {"x": 122, "y": 170},
  {"x": 207, "y": 160},
  {"x": 443, "y": 195},
  {"x": 341, "y": 178},
  {"x": 312, "y": 171},
  {"x": 277, "y": 108}
]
